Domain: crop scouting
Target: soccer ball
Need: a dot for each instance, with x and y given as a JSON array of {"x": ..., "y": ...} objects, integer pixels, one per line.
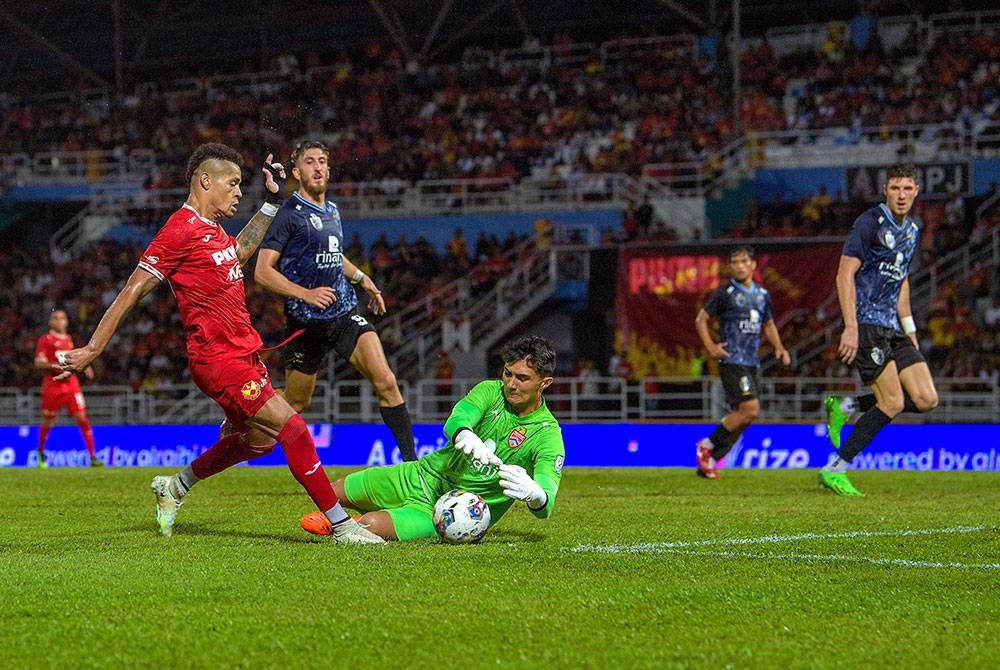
[{"x": 461, "y": 517}]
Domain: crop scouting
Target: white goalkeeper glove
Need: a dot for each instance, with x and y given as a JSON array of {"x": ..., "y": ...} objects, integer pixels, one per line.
[
  {"x": 469, "y": 443},
  {"x": 518, "y": 484}
]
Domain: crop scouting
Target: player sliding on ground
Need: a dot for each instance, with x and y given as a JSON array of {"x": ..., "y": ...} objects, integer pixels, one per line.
[
  {"x": 204, "y": 267},
  {"x": 503, "y": 444},
  {"x": 873, "y": 287}
]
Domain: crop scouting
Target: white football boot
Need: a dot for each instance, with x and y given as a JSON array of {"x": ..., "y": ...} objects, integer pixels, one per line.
[
  {"x": 167, "y": 503},
  {"x": 352, "y": 532}
]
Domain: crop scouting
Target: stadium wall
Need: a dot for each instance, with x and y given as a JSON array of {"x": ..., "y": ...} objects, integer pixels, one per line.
[{"x": 778, "y": 445}]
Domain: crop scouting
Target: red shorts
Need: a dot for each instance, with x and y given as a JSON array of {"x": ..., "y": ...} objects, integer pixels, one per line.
[
  {"x": 69, "y": 396},
  {"x": 240, "y": 386}
]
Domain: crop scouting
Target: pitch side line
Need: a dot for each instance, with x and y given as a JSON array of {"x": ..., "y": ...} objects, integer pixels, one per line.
[
  {"x": 890, "y": 562},
  {"x": 680, "y": 547}
]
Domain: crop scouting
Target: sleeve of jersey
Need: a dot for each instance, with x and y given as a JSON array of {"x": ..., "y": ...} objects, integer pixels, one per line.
[
  {"x": 278, "y": 232},
  {"x": 768, "y": 309},
  {"x": 859, "y": 239},
  {"x": 168, "y": 249},
  {"x": 469, "y": 411},
  {"x": 714, "y": 304},
  {"x": 548, "y": 470},
  {"x": 42, "y": 351}
]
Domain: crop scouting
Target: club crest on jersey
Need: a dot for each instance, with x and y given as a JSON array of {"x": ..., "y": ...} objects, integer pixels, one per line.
[
  {"x": 251, "y": 390},
  {"x": 889, "y": 239},
  {"x": 877, "y": 356},
  {"x": 517, "y": 437},
  {"x": 316, "y": 222}
]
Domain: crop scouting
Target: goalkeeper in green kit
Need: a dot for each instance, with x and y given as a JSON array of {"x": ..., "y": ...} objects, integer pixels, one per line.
[{"x": 503, "y": 443}]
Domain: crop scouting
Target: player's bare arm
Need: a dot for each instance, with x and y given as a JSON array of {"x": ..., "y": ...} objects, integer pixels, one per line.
[
  {"x": 267, "y": 275},
  {"x": 846, "y": 296},
  {"x": 715, "y": 349},
  {"x": 248, "y": 239},
  {"x": 138, "y": 285},
  {"x": 42, "y": 363},
  {"x": 376, "y": 302},
  {"x": 905, "y": 312},
  {"x": 771, "y": 331}
]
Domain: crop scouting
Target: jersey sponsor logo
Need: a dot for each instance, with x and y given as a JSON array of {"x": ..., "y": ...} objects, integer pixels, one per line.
[
  {"x": 878, "y": 357},
  {"x": 251, "y": 390},
  {"x": 225, "y": 255},
  {"x": 894, "y": 270},
  {"x": 316, "y": 222},
  {"x": 235, "y": 273},
  {"x": 559, "y": 464},
  {"x": 752, "y": 324},
  {"x": 517, "y": 437}
]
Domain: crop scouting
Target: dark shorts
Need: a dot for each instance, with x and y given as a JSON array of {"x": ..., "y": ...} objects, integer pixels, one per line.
[
  {"x": 878, "y": 346},
  {"x": 741, "y": 382},
  {"x": 239, "y": 385},
  {"x": 305, "y": 353}
]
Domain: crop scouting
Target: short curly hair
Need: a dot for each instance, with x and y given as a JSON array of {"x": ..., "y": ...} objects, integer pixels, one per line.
[
  {"x": 210, "y": 151},
  {"x": 534, "y": 350}
]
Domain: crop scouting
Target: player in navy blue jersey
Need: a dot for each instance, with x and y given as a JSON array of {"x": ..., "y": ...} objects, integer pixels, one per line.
[
  {"x": 302, "y": 259},
  {"x": 743, "y": 309},
  {"x": 880, "y": 337}
]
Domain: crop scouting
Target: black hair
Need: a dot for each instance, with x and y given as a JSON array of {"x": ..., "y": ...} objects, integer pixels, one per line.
[
  {"x": 535, "y": 350},
  {"x": 742, "y": 249},
  {"x": 901, "y": 171},
  {"x": 212, "y": 151}
]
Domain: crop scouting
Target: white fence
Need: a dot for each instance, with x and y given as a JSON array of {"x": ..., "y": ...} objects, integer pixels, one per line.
[{"x": 604, "y": 399}]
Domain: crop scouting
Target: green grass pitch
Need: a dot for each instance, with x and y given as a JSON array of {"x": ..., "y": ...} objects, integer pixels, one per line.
[{"x": 758, "y": 570}]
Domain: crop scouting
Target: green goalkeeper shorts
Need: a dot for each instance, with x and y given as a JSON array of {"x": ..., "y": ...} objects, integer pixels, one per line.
[{"x": 400, "y": 490}]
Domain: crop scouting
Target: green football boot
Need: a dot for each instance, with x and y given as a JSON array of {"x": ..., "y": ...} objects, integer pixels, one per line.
[
  {"x": 838, "y": 483},
  {"x": 836, "y": 417},
  {"x": 41, "y": 460}
]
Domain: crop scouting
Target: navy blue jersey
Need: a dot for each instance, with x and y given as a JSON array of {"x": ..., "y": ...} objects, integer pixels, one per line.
[
  {"x": 309, "y": 239},
  {"x": 885, "y": 250},
  {"x": 742, "y": 312}
]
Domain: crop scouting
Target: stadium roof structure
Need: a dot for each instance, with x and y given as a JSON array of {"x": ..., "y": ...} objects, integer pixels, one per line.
[{"x": 50, "y": 43}]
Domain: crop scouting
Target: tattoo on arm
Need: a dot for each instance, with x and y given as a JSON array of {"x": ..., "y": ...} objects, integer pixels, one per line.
[{"x": 248, "y": 239}]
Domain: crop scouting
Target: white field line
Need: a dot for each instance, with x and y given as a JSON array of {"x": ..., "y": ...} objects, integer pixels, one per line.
[{"x": 685, "y": 548}]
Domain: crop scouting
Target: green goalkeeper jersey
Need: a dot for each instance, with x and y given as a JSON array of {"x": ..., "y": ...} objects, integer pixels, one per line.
[{"x": 534, "y": 442}]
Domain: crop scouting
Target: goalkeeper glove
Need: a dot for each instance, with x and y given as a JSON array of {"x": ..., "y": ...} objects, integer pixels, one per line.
[
  {"x": 469, "y": 443},
  {"x": 518, "y": 484}
]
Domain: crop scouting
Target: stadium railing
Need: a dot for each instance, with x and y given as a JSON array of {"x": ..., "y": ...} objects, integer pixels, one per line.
[{"x": 602, "y": 399}]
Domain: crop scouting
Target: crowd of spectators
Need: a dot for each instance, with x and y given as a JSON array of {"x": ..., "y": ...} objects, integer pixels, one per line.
[{"x": 390, "y": 122}]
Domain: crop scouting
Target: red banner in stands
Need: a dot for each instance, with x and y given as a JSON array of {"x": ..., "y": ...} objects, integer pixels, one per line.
[{"x": 660, "y": 293}]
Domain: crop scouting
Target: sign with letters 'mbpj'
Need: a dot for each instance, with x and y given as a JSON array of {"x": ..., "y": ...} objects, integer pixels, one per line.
[{"x": 897, "y": 447}]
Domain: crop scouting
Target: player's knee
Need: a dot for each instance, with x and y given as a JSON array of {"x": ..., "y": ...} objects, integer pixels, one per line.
[
  {"x": 378, "y": 523},
  {"x": 261, "y": 449},
  {"x": 338, "y": 489},
  {"x": 926, "y": 400},
  {"x": 891, "y": 406}
]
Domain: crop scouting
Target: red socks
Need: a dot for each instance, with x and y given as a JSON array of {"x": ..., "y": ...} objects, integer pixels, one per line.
[
  {"x": 225, "y": 453},
  {"x": 87, "y": 432},
  {"x": 43, "y": 434},
  {"x": 303, "y": 461}
]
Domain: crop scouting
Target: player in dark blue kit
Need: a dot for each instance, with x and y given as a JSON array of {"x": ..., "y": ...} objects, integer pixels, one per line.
[
  {"x": 302, "y": 259},
  {"x": 743, "y": 309},
  {"x": 874, "y": 292}
]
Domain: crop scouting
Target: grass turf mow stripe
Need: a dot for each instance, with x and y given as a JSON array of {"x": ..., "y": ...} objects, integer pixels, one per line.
[{"x": 683, "y": 548}]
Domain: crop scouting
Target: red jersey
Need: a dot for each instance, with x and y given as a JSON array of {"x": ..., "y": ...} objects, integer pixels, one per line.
[
  {"x": 198, "y": 258},
  {"x": 48, "y": 345}
]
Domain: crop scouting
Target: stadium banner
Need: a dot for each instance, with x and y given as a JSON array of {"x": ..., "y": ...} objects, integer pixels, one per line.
[
  {"x": 659, "y": 295},
  {"x": 937, "y": 180},
  {"x": 764, "y": 446}
]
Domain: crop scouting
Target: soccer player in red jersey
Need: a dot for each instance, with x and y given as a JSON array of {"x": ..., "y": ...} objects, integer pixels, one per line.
[
  {"x": 60, "y": 393},
  {"x": 204, "y": 266}
]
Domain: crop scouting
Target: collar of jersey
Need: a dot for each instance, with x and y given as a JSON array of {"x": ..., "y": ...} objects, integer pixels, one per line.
[
  {"x": 187, "y": 206},
  {"x": 892, "y": 219},
  {"x": 305, "y": 202},
  {"x": 743, "y": 288}
]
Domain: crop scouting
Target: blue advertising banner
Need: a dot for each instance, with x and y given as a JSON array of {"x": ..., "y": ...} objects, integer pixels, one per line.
[{"x": 898, "y": 447}]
